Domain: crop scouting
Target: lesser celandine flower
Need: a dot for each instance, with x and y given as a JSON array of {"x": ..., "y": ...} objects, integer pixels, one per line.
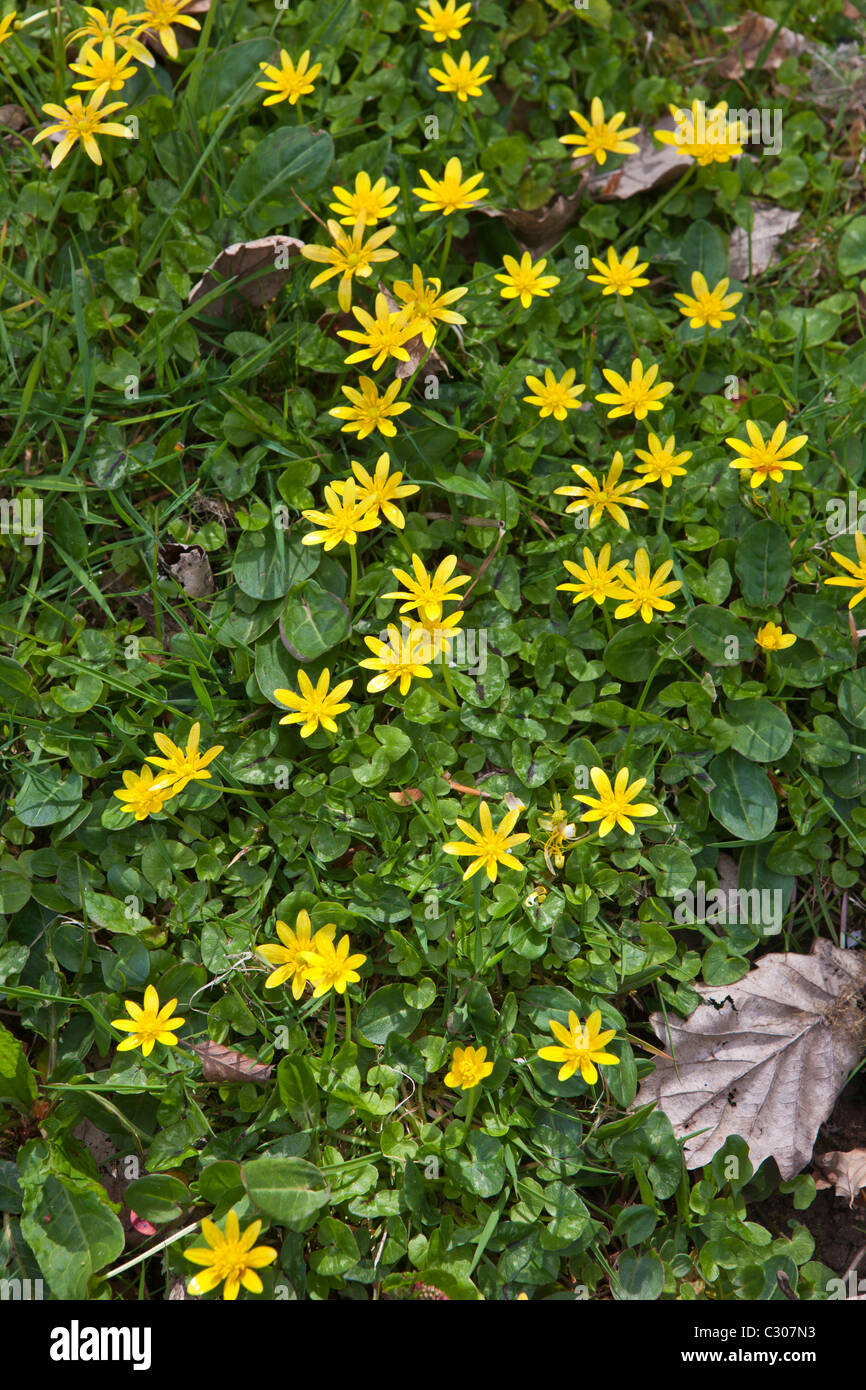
[
  {"x": 580, "y": 1047},
  {"x": 120, "y": 25},
  {"x": 439, "y": 633},
  {"x": 380, "y": 337},
  {"x": 104, "y": 71},
  {"x": 149, "y": 1025},
  {"x": 621, "y": 277},
  {"x": 158, "y": 17},
  {"x": 709, "y": 137},
  {"x": 292, "y": 957},
  {"x": 370, "y": 410},
  {"x": 525, "y": 281},
  {"x": 443, "y": 22},
  {"x": 330, "y": 966},
  {"x": 644, "y": 592},
  {"x": 610, "y": 495},
  {"x": 705, "y": 307},
  {"x": 598, "y": 580},
  {"x": 287, "y": 82},
  {"x": 425, "y": 592},
  {"x": 489, "y": 847},
  {"x": 856, "y": 568},
  {"x": 372, "y": 201},
  {"x": 184, "y": 765},
  {"x": 554, "y": 397},
  {"x": 401, "y": 659},
  {"x": 350, "y": 255},
  {"x": 773, "y": 639},
  {"x": 428, "y": 304},
  {"x": 77, "y": 122},
  {"x": 559, "y": 829},
  {"x": 314, "y": 704},
  {"x": 231, "y": 1258},
  {"x": 637, "y": 396},
  {"x": 469, "y": 1067},
  {"x": 767, "y": 458},
  {"x": 382, "y": 489},
  {"x": 464, "y": 79},
  {"x": 451, "y": 193},
  {"x": 346, "y": 516},
  {"x": 662, "y": 463},
  {"x": 144, "y": 794},
  {"x": 6, "y": 25},
  {"x": 615, "y": 804},
  {"x": 598, "y": 136}
]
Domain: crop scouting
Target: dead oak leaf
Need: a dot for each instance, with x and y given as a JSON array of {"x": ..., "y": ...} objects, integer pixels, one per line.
[
  {"x": 220, "y": 1063},
  {"x": 764, "y": 1058}
]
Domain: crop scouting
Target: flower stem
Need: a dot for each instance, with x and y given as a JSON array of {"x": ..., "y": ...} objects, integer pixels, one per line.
[
  {"x": 353, "y": 577},
  {"x": 446, "y": 248},
  {"x": 470, "y": 1107},
  {"x": 348, "y": 1008},
  {"x": 446, "y": 676},
  {"x": 628, "y": 325},
  {"x": 700, "y": 361},
  {"x": 661, "y": 526}
]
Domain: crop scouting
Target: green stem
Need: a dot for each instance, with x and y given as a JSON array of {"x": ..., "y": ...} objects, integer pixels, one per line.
[
  {"x": 661, "y": 526},
  {"x": 630, "y": 235},
  {"x": 473, "y": 127},
  {"x": 700, "y": 361},
  {"x": 446, "y": 676},
  {"x": 348, "y": 1008},
  {"x": 470, "y": 1107},
  {"x": 628, "y": 325},
  {"x": 353, "y": 580},
  {"x": 445, "y": 252}
]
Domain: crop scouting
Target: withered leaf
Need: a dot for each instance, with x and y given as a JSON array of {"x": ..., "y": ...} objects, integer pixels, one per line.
[
  {"x": 13, "y": 117},
  {"x": 220, "y": 1063},
  {"x": 846, "y": 1171},
  {"x": 749, "y": 37},
  {"x": 764, "y": 1058},
  {"x": 652, "y": 164},
  {"x": 190, "y": 566},
  {"x": 540, "y": 229},
  {"x": 259, "y": 269},
  {"x": 769, "y": 224}
]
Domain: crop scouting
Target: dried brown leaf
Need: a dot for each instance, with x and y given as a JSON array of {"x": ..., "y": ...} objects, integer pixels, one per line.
[
  {"x": 540, "y": 229},
  {"x": 253, "y": 267},
  {"x": 652, "y": 164},
  {"x": 220, "y": 1063},
  {"x": 846, "y": 1171},
  {"x": 769, "y": 224},
  {"x": 749, "y": 37},
  {"x": 764, "y": 1058},
  {"x": 190, "y": 566}
]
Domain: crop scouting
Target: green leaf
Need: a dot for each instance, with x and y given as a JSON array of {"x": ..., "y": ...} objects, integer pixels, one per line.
[
  {"x": 269, "y": 563},
  {"x": 17, "y": 1082},
  {"x": 287, "y": 1189},
  {"x": 386, "y": 1012},
  {"x": 763, "y": 563},
  {"x": 314, "y": 622},
  {"x": 851, "y": 254},
  {"x": 743, "y": 800},
  {"x": 157, "y": 1197},
  {"x": 483, "y": 1170},
  {"x": 852, "y": 694},
  {"x": 632, "y": 652},
  {"x": 638, "y": 1277},
  {"x": 720, "y": 637},
  {"x": 759, "y": 730},
  {"x": 71, "y": 1231},
  {"x": 290, "y": 159},
  {"x": 47, "y": 796},
  {"x": 299, "y": 1092}
]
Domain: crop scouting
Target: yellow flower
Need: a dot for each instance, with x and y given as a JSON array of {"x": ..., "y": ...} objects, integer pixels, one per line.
[
  {"x": 287, "y": 82},
  {"x": 159, "y": 16},
  {"x": 347, "y": 514},
  {"x": 638, "y": 396},
  {"x": 382, "y": 489},
  {"x": 662, "y": 464},
  {"x": 231, "y": 1257},
  {"x": 426, "y": 592},
  {"x": 102, "y": 71},
  {"x": 6, "y": 25},
  {"x": 488, "y": 847},
  {"x": 621, "y": 277},
  {"x": 469, "y": 1068},
  {"x": 369, "y": 410},
  {"x": 614, "y": 804},
  {"x": 184, "y": 765},
  {"x": 398, "y": 659},
  {"x": 710, "y": 137},
  {"x": 857, "y": 568},
  {"x": 439, "y": 634},
  {"x": 350, "y": 255},
  {"x": 291, "y": 959},
  {"x": 149, "y": 1025},
  {"x": 450, "y": 193},
  {"x": 380, "y": 337},
  {"x": 120, "y": 25},
  {"x": 145, "y": 794},
  {"x": 554, "y": 397},
  {"x": 598, "y": 136},
  {"x": 706, "y": 307},
  {"x": 581, "y": 1047},
  {"x": 75, "y": 121},
  {"x": 372, "y": 201},
  {"x": 644, "y": 592},
  {"x": 598, "y": 580},
  {"x": 315, "y": 704},
  {"x": 773, "y": 639},
  {"x": 559, "y": 829},
  {"x": 330, "y": 966},
  {"x": 428, "y": 306},
  {"x": 524, "y": 280},
  {"x": 609, "y": 496},
  {"x": 461, "y": 78},
  {"x": 443, "y": 22},
  {"x": 767, "y": 458}
]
